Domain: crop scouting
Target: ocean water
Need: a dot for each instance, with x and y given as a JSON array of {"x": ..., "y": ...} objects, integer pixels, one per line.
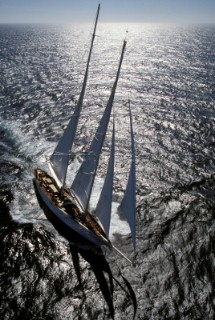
[{"x": 169, "y": 75}]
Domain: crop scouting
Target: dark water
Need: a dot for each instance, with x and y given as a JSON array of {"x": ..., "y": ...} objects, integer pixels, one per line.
[{"x": 169, "y": 75}]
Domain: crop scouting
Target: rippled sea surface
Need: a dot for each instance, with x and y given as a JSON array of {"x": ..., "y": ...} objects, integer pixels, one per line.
[{"x": 169, "y": 75}]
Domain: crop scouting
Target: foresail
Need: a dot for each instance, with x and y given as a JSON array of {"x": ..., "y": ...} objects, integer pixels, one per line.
[
  {"x": 60, "y": 157},
  {"x": 103, "y": 208},
  {"x": 128, "y": 204},
  {"x": 83, "y": 183},
  {"x": 59, "y": 160}
]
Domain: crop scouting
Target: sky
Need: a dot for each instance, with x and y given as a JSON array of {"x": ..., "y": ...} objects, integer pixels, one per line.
[{"x": 69, "y": 11}]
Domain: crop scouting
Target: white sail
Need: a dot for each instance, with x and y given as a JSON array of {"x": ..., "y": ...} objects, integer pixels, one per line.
[
  {"x": 60, "y": 157},
  {"x": 128, "y": 204},
  {"x": 59, "y": 160},
  {"x": 104, "y": 205},
  {"x": 83, "y": 182}
]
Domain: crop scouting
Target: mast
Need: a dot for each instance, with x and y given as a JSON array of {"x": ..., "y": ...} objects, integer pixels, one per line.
[
  {"x": 59, "y": 160},
  {"x": 83, "y": 183},
  {"x": 80, "y": 101}
]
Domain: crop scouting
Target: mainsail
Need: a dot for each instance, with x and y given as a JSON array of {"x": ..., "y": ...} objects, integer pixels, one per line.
[
  {"x": 83, "y": 182},
  {"x": 60, "y": 158},
  {"x": 128, "y": 204},
  {"x": 104, "y": 205}
]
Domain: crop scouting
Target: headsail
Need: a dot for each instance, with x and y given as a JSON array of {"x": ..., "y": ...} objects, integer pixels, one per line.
[
  {"x": 103, "y": 208},
  {"x": 60, "y": 157},
  {"x": 83, "y": 183},
  {"x": 128, "y": 204}
]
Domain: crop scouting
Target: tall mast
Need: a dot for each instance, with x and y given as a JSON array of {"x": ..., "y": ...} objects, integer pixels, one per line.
[
  {"x": 83, "y": 183},
  {"x": 81, "y": 97},
  {"x": 59, "y": 160}
]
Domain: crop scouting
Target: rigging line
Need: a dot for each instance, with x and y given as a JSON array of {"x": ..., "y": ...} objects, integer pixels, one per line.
[{"x": 122, "y": 254}]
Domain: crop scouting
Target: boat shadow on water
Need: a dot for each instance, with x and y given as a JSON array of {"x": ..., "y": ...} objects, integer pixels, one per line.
[
  {"x": 100, "y": 267},
  {"x": 93, "y": 255},
  {"x": 103, "y": 274}
]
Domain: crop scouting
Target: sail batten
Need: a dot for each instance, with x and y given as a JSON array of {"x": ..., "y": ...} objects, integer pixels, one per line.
[
  {"x": 128, "y": 204},
  {"x": 82, "y": 185},
  {"x": 60, "y": 157}
]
